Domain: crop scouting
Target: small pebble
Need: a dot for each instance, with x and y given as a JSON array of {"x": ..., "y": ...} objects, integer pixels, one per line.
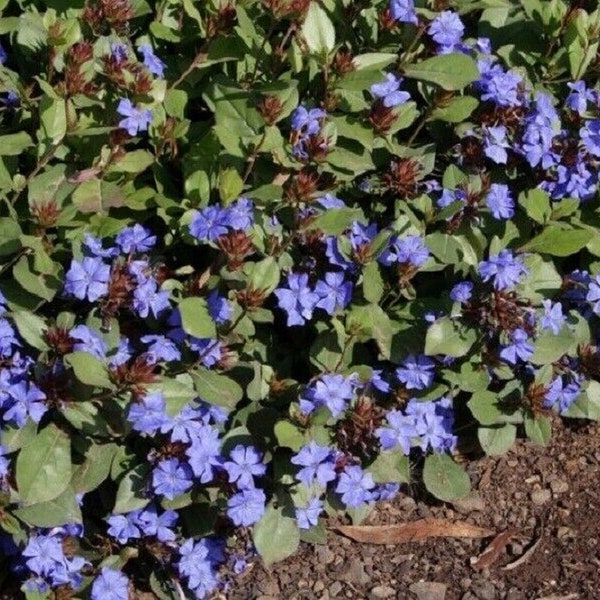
[
  {"x": 380, "y": 592},
  {"x": 559, "y": 486},
  {"x": 540, "y": 497},
  {"x": 428, "y": 590}
]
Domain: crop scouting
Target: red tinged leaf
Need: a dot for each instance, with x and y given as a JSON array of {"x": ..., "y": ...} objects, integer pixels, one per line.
[{"x": 494, "y": 550}]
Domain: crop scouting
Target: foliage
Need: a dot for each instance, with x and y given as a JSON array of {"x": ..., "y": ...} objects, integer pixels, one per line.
[{"x": 262, "y": 262}]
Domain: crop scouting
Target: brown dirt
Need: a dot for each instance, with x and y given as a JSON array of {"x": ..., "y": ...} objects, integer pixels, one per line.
[{"x": 549, "y": 496}]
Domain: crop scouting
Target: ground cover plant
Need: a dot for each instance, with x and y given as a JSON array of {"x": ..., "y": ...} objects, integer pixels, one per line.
[{"x": 264, "y": 262}]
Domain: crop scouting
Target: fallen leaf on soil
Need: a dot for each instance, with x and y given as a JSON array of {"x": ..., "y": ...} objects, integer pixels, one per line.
[
  {"x": 409, "y": 532},
  {"x": 493, "y": 550},
  {"x": 524, "y": 557}
]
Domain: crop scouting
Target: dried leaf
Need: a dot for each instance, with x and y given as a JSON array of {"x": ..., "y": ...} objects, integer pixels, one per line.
[
  {"x": 494, "y": 550},
  {"x": 410, "y": 532}
]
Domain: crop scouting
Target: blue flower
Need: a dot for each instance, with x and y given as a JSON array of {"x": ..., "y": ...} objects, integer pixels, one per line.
[
  {"x": 389, "y": 91},
  {"x": 462, "y": 292},
  {"x": 239, "y": 215},
  {"x": 87, "y": 279},
  {"x": 153, "y": 524},
  {"x": 26, "y": 400},
  {"x": 505, "y": 269},
  {"x": 520, "y": 349},
  {"x": 590, "y": 136},
  {"x": 118, "y": 52},
  {"x": 404, "y": 11},
  {"x": 307, "y": 122},
  {"x": 409, "y": 250},
  {"x": 317, "y": 462},
  {"x": 579, "y": 97},
  {"x": 219, "y": 308},
  {"x": 333, "y": 391},
  {"x": 333, "y": 292},
  {"x": 147, "y": 298},
  {"x": 154, "y": 64},
  {"x": 593, "y": 294},
  {"x": 553, "y": 317},
  {"x": 110, "y": 585},
  {"x": 135, "y": 239},
  {"x": 136, "y": 119},
  {"x": 246, "y": 507},
  {"x": 446, "y": 29},
  {"x": 308, "y": 516},
  {"x": 171, "y": 478},
  {"x": 245, "y": 464},
  {"x": 8, "y": 339},
  {"x": 3, "y": 55},
  {"x": 500, "y": 202},
  {"x": 123, "y": 528},
  {"x": 209, "y": 223},
  {"x": 399, "y": 433},
  {"x": 495, "y": 144},
  {"x": 198, "y": 563},
  {"x": 88, "y": 341},
  {"x": 298, "y": 300},
  {"x": 204, "y": 453},
  {"x": 564, "y": 395},
  {"x": 416, "y": 372},
  {"x": 355, "y": 487},
  {"x": 149, "y": 414},
  {"x": 433, "y": 423},
  {"x": 499, "y": 86}
]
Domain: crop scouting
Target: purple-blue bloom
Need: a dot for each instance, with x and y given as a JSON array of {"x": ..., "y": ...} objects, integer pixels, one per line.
[
  {"x": 87, "y": 279},
  {"x": 553, "y": 317},
  {"x": 209, "y": 223},
  {"x": 239, "y": 215},
  {"x": 462, "y": 292},
  {"x": 298, "y": 301},
  {"x": 317, "y": 462},
  {"x": 88, "y": 340},
  {"x": 579, "y": 97},
  {"x": 593, "y": 294},
  {"x": 407, "y": 250},
  {"x": 404, "y": 11},
  {"x": 160, "y": 348},
  {"x": 171, "y": 478},
  {"x": 135, "y": 239},
  {"x": 8, "y": 339},
  {"x": 245, "y": 463},
  {"x": 389, "y": 91},
  {"x": 219, "y": 308},
  {"x": 307, "y": 122},
  {"x": 153, "y": 524},
  {"x": 446, "y": 29},
  {"x": 505, "y": 269},
  {"x": 25, "y": 400},
  {"x": 333, "y": 292},
  {"x": 495, "y": 144},
  {"x": 147, "y": 298},
  {"x": 246, "y": 507},
  {"x": 355, "y": 487},
  {"x": 333, "y": 391},
  {"x": 500, "y": 201},
  {"x": 123, "y": 527},
  {"x": 562, "y": 394},
  {"x": 154, "y": 64},
  {"x": 204, "y": 453},
  {"x": 136, "y": 119},
  {"x": 399, "y": 432},
  {"x": 590, "y": 136},
  {"x": 308, "y": 516},
  {"x": 520, "y": 349},
  {"x": 198, "y": 563},
  {"x": 416, "y": 372},
  {"x": 148, "y": 415},
  {"x": 110, "y": 585}
]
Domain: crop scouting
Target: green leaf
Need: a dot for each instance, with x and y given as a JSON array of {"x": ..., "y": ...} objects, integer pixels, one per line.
[
  {"x": 15, "y": 144},
  {"x": 263, "y": 275},
  {"x": 484, "y": 406},
  {"x": 289, "y": 436},
  {"x": 538, "y": 429},
  {"x": 53, "y": 513},
  {"x": 31, "y": 328},
  {"x": 497, "y": 440},
  {"x": 318, "y": 30},
  {"x": 276, "y": 537},
  {"x": 372, "y": 283},
  {"x": 195, "y": 318},
  {"x": 131, "y": 493},
  {"x": 444, "y": 479},
  {"x": 230, "y": 185},
  {"x": 587, "y": 406},
  {"x": 557, "y": 241},
  {"x": 53, "y": 117},
  {"x": 449, "y": 71},
  {"x": 135, "y": 161},
  {"x": 43, "y": 469},
  {"x": 89, "y": 369},
  {"x": 390, "y": 465},
  {"x": 177, "y": 394},
  {"x": 217, "y": 389},
  {"x": 337, "y": 220},
  {"x": 456, "y": 111},
  {"x": 95, "y": 469},
  {"x": 447, "y": 336},
  {"x": 536, "y": 204},
  {"x": 95, "y": 196}
]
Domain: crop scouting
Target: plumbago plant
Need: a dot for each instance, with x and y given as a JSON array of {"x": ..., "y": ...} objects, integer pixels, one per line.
[{"x": 265, "y": 261}]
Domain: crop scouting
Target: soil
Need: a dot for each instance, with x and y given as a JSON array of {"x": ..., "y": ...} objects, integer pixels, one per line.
[{"x": 548, "y": 499}]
